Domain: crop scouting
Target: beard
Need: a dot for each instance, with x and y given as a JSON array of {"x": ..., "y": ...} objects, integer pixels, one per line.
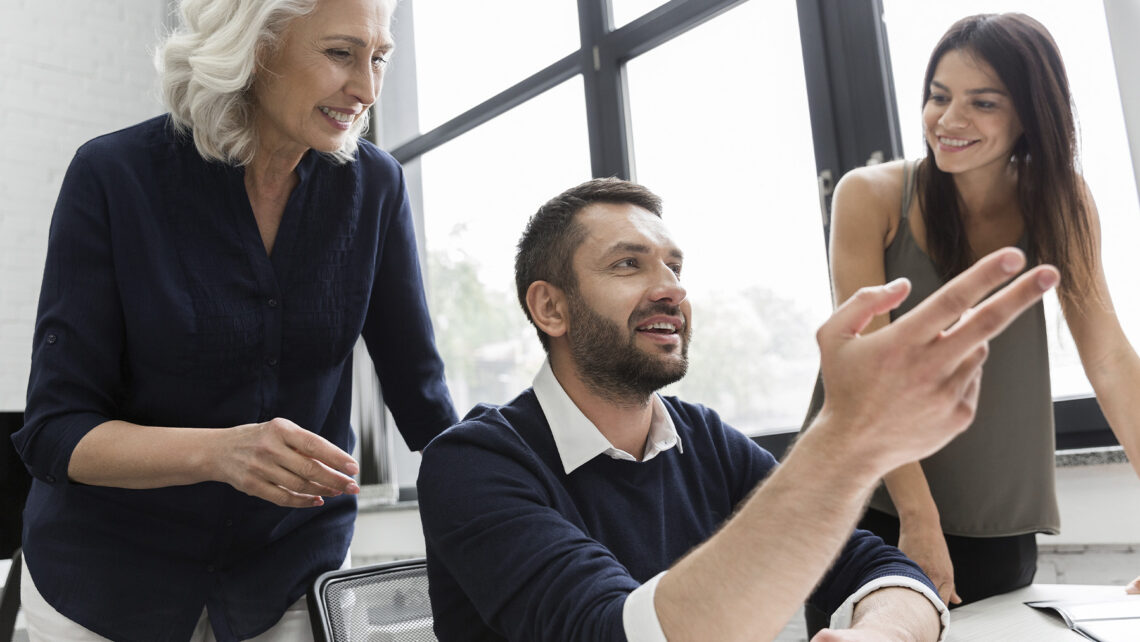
[{"x": 609, "y": 361}]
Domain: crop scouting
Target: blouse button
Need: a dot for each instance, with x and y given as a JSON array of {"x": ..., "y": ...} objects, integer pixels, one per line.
[
  {"x": 271, "y": 303},
  {"x": 271, "y": 361},
  {"x": 51, "y": 338}
]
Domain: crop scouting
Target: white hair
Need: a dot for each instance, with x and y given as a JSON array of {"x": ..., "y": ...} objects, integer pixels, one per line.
[{"x": 208, "y": 65}]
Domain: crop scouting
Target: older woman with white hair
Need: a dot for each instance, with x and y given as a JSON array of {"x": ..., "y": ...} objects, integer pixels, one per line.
[{"x": 208, "y": 274}]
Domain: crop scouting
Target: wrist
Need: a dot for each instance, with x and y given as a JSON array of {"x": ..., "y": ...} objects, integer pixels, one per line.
[
  {"x": 838, "y": 444},
  {"x": 922, "y": 516},
  {"x": 836, "y": 449},
  {"x": 202, "y": 460}
]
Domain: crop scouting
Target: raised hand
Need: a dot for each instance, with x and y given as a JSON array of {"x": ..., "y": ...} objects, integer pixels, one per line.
[{"x": 906, "y": 390}]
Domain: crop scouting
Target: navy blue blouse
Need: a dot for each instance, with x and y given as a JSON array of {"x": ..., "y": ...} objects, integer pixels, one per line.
[{"x": 160, "y": 306}]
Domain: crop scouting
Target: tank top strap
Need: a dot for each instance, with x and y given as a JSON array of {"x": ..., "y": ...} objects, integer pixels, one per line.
[{"x": 910, "y": 183}]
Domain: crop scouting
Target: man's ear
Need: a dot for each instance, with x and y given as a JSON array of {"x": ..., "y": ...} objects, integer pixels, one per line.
[{"x": 547, "y": 305}]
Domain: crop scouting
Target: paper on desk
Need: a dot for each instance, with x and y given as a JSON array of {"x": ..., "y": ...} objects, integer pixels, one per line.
[{"x": 1113, "y": 620}]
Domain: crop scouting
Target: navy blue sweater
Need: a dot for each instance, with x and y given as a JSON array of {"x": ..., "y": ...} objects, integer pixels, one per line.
[
  {"x": 160, "y": 306},
  {"x": 518, "y": 550}
]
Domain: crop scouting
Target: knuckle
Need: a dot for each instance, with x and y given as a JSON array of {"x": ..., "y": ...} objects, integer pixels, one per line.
[
  {"x": 309, "y": 470},
  {"x": 866, "y": 292},
  {"x": 277, "y": 425},
  {"x": 989, "y": 321},
  {"x": 310, "y": 443},
  {"x": 954, "y": 300}
]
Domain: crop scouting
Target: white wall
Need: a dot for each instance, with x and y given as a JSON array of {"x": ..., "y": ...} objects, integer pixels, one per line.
[
  {"x": 69, "y": 71},
  {"x": 1099, "y": 505}
]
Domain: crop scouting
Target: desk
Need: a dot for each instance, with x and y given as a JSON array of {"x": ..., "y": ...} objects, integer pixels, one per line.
[{"x": 1005, "y": 617}]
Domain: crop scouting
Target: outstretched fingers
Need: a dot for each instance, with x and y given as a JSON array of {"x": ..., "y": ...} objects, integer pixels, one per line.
[
  {"x": 943, "y": 308},
  {"x": 993, "y": 315},
  {"x": 855, "y": 313}
]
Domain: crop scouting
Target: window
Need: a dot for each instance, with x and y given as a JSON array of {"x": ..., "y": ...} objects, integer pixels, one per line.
[
  {"x": 734, "y": 111},
  {"x": 727, "y": 146},
  {"x": 466, "y": 52},
  {"x": 625, "y": 11},
  {"x": 479, "y": 190}
]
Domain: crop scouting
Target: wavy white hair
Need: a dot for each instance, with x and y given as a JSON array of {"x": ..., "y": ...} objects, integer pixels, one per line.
[{"x": 208, "y": 65}]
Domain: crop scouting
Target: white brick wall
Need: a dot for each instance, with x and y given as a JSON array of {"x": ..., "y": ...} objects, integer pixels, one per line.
[{"x": 70, "y": 70}]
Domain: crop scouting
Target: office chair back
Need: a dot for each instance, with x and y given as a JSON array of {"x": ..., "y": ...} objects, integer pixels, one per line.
[{"x": 378, "y": 603}]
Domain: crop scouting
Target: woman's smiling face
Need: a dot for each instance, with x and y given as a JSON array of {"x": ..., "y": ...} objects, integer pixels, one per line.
[
  {"x": 326, "y": 73},
  {"x": 969, "y": 118}
]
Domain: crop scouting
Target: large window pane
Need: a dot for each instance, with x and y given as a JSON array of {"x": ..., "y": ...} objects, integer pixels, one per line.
[
  {"x": 721, "y": 131},
  {"x": 913, "y": 29},
  {"x": 479, "y": 190},
  {"x": 468, "y": 51},
  {"x": 626, "y": 11}
]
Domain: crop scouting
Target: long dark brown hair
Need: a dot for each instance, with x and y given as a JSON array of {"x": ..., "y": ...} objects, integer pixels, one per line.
[{"x": 1049, "y": 191}]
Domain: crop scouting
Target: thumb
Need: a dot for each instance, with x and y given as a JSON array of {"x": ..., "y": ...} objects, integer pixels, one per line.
[
  {"x": 1134, "y": 587},
  {"x": 866, "y": 304}
]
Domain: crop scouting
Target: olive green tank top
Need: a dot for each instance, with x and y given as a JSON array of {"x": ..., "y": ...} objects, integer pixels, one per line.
[{"x": 997, "y": 477}]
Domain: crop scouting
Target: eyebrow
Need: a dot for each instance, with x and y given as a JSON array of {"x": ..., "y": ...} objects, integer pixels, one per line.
[
  {"x": 639, "y": 248},
  {"x": 982, "y": 90},
  {"x": 385, "y": 46}
]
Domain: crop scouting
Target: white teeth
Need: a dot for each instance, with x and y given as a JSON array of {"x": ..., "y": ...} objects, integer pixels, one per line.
[
  {"x": 660, "y": 326},
  {"x": 954, "y": 142},
  {"x": 337, "y": 116}
]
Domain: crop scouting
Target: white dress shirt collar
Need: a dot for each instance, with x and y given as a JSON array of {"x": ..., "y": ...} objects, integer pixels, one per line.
[{"x": 578, "y": 440}]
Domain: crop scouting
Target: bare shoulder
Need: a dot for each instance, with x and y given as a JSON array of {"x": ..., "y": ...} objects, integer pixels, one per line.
[
  {"x": 870, "y": 195},
  {"x": 879, "y": 185}
]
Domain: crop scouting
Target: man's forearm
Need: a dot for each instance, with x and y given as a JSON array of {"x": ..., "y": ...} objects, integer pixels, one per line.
[
  {"x": 749, "y": 579},
  {"x": 898, "y": 614},
  {"x": 894, "y": 396}
]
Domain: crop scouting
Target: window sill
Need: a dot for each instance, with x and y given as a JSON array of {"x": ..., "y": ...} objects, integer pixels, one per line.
[{"x": 1091, "y": 456}]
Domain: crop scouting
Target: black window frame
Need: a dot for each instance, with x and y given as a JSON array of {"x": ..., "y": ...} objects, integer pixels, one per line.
[{"x": 851, "y": 100}]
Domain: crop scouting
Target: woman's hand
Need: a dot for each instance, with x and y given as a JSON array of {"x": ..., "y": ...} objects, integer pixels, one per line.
[
  {"x": 1134, "y": 587},
  {"x": 283, "y": 463},
  {"x": 925, "y": 544}
]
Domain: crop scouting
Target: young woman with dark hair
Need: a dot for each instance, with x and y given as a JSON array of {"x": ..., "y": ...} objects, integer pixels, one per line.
[{"x": 1000, "y": 169}]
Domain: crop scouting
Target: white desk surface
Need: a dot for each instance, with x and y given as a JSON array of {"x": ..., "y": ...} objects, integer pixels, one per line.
[{"x": 1005, "y": 617}]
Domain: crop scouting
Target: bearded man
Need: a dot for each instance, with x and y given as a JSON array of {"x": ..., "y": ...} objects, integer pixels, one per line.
[{"x": 592, "y": 508}]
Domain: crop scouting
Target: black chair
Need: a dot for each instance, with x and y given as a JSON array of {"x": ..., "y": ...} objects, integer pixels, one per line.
[
  {"x": 14, "y": 484},
  {"x": 10, "y": 598},
  {"x": 377, "y": 603}
]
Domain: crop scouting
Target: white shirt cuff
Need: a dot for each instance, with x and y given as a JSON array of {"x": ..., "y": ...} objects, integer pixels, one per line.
[
  {"x": 639, "y": 616},
  {"x": 841, "y": 619}
]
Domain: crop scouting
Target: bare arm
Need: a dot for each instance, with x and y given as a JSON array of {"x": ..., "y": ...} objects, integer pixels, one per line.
[
  {"x": 864, "y": 220},
  {"x": 888, "y": 614},
  {"x": 277, "y": 460},
  {"x": 893, "y": 396},
  {"x": 1109, "y": 360}
]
